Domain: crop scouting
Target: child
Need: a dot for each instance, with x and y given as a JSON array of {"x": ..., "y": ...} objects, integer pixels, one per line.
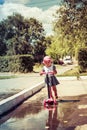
[{"x": 50, "y": 69}]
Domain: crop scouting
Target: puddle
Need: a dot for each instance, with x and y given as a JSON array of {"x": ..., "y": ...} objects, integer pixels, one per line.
[
  {"x": 34, "y": 118},
  {"x": 31, "y": 115}
]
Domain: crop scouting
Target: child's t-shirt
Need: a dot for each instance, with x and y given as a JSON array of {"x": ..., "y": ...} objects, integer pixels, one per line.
[
  {"x": 49, "y": 69},
  {"x": 51, "y": 79}
]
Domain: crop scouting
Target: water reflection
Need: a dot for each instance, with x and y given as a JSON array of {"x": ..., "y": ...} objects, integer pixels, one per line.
[
  {"x": 31, "y": 115},
  {"x": 20, "y": 112},
  {"x": 52, "y": 121},
  {"x": 27, "y": 109}
]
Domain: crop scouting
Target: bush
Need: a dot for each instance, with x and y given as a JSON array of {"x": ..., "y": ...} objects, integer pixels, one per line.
[
  {"x": 16, "y": 63},
  {"x": 82, "y": 59},
  {"x": 4, "y": 64}
]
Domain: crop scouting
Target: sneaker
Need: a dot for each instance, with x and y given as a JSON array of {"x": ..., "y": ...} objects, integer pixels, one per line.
[{"x": 56, "y": 97}]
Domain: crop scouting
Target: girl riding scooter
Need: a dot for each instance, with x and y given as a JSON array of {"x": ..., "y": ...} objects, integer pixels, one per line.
[{"x": 50, "y": 70}]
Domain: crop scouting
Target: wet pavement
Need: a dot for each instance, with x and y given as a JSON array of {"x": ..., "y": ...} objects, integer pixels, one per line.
[{"x": 68, "y": 114}]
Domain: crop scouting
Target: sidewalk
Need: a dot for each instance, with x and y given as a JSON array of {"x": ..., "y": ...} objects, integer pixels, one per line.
[
  {"x": 72, "y": 87},
  {"x": 67, "y": 87},
  {"x": 9, "y": 87}
]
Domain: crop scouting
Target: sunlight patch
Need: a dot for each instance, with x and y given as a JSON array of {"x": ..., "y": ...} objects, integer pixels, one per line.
[{"x": 82, "y": 106}]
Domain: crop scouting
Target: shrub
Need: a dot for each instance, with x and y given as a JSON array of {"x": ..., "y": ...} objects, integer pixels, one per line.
[
  {"x": 4, "y": 64},
  {"x": 82, "y": 59},
  {"x": 16, "y": 63}
]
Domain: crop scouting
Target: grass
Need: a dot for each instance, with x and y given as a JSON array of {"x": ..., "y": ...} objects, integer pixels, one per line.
[
  {"x": 37, "y": 67},
  {"x": 7, "y": 77},
  {"x": 73, "y": 72}
]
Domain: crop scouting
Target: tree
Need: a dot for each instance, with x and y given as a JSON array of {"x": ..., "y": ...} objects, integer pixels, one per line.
[
  {"x": 53, "y": 49},
  {"x": 23, "y": 36},
  {"x": 71, "y": 26},
  {"x": 3, "y": 48}
]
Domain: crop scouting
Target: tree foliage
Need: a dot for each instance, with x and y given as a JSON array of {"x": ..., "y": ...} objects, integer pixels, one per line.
[
  {"x": 54, "y": 49},
  {"x": 70, "y": 27},
  {"x": 82, "y": 59},
  {"x": 22, "y": 36}
]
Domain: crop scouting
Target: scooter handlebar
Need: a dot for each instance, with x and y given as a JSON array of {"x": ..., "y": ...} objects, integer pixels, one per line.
[{"x": 41, "y": 73}]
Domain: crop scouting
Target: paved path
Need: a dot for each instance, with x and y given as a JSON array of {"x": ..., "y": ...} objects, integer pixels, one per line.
[
  {"x": 9, "y": 87},
  {"x": 72, "y": 87},
  {"x": 69, "y": 115}
]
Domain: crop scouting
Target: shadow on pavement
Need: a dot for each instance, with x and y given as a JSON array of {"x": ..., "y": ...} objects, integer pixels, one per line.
[{"x": 62, "y": 101}]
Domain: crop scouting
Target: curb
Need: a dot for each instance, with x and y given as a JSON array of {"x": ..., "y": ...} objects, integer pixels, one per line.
[
  {"x": 72, "y": 78},
  {"x": 11, "y": 102}
]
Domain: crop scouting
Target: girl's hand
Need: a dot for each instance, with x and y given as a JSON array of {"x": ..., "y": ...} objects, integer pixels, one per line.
[
  {"x": 41, "y": 73},
  {"x": 51, "y": 72}
]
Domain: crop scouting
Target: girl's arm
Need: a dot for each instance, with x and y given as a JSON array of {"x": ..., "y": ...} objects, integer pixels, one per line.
[
  {"x": 42, "y": 72},
  {"x": 54, "y": 70}
]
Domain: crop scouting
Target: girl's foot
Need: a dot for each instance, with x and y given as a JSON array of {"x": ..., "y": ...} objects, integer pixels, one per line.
[
  {"x": 56, "y": 97},
  {"x": 55, "y": 102}
]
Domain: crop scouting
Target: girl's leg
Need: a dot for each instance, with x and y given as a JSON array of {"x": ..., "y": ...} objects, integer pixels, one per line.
[
  {"x": 55, "y": 91},
  {"x": 51, "y": 95}
]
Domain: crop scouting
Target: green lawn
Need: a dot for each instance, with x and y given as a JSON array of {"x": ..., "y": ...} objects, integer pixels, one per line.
[
  {"x": 73, "y": 72},
  {"x": 7, "y": 77}
]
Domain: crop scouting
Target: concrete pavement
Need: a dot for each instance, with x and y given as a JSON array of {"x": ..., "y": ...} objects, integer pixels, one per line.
[
  {"x": 72, "y": 87},
  {"x": 23, "y": 81},
  {"x": 12, "y": 101},
  {"x": 68, "y": 87}
]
